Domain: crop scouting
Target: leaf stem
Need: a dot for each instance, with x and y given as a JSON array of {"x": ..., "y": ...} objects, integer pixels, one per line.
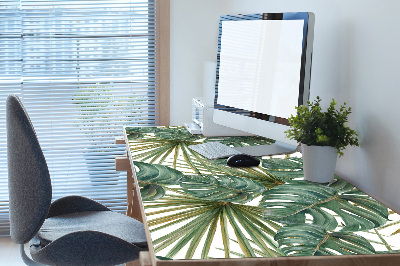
[
  {"x": 321, "y": 243},
  {"x": 384, "y": 242}
]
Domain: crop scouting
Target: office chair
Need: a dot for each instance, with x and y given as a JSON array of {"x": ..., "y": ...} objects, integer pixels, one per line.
[{"x": 70, "y": 231}]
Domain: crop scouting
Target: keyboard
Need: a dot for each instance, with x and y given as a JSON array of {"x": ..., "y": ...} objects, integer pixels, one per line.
[{"x": 214, "y": 150}]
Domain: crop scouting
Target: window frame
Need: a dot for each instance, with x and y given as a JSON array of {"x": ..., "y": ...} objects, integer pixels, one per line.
[{"x": 163, "y": 36}]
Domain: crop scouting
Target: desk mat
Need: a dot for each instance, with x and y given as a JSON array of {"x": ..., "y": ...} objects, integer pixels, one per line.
[{"x": 201, "y": 209}]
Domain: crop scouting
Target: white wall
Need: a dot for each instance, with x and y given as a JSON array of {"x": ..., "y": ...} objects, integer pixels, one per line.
[
  {"x": 194, "y": 41},
  {"x": 356, "y": 60}
]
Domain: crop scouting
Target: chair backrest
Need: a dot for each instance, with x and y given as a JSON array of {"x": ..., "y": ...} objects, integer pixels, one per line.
[{"x": 29, "y": 183}]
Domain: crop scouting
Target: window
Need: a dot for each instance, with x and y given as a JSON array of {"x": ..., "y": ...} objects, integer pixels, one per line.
[{"x": 83, "y": 69}]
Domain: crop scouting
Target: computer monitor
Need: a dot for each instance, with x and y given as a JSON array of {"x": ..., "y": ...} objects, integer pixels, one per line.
[{"x": 263, "y": 73}]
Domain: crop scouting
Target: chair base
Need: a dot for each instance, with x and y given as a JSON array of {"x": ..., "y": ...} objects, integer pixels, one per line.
[{"x": 26, "y": 259}]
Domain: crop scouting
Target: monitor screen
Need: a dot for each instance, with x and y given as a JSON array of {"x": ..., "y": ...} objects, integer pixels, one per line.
[
  {"x": 260, "y": 64},
  {"x": 263, "y": 71}
]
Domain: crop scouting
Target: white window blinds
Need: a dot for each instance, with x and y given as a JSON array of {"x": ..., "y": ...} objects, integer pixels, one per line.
[{"x": 83, "y": 69}]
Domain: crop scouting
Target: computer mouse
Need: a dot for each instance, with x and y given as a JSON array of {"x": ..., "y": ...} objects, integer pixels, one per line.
[{"x": 242, "y": 160}]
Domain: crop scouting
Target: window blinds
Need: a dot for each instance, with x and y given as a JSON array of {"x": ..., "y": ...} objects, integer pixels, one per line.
[{"x": 83, "y": 69}]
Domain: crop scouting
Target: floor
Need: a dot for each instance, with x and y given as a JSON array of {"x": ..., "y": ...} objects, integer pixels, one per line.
[
  {"x": 10, "y": 256},
  {"x": 9, "y": 253}
]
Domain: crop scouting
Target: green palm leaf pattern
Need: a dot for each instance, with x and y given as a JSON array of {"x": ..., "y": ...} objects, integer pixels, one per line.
[
  {"x": 169, "y": 146},
  {"x": 289, "y": 168},
  {"x": 239, "y": 141},
  {"x": 163, "y": 145},
  {"x": 289, "y": 204},
  {"x": 155, "y": 173},
  {"x": 166, "y": 133},
  {"x": 310, "y": 240},
  {"x": 259, "y": 174},
  {"x": 200, "y": 208},
  {"x": 224, "y": 188},
  {"x": 152, "y": 178},
  {"x": 196, "y": 219},
  {"x": 206, "y": 206},
  {"x": 152, "y": 192}
]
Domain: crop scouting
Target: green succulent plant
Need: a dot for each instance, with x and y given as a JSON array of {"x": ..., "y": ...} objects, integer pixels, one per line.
[{"x": 313, "y": 126}]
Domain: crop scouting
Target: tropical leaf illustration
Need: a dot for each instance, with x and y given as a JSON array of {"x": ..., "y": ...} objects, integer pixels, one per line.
[
  {"x": 155, "y": 173},
  {"x": 152, "y": 177},
  {"x": 310, "y": 240},
  {"x": 258, "y": 174},
  {"x": 140, "y": 132},
  {"x": 290, "y": 167},
  {"x": 290, "y": 203},
  {"x": 239, "y": 141},
  {"x": 201, "y": 215},
  {"x": 170, "y": 146},
  {"x": 163, "y": 145},
  {"x": 174, "y": 151},
  {"x": 196, "y": 219},
  {"x": 392, "y": 224},
  {"x": 223, "y": 188},
  {"x": 200, "y": 208},
  {"x": 165, "y": 133},
  {"x": 152, "y": 192}
]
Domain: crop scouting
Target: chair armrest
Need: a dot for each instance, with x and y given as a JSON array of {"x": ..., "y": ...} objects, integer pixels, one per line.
[{"x": 72, "y": 204}]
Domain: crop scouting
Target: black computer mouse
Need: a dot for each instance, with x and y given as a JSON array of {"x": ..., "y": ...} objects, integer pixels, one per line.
[{"x": 242, "y": 160}]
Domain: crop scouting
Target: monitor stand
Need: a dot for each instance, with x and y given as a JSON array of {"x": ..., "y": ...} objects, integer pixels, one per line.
[{"x": 276, "y": 148}]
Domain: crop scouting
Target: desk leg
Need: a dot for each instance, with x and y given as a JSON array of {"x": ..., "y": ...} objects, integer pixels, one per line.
[
  {"x": 133, "y": 263},
  {"x": 122, "y": 163},
  {"x": 132, "y": 193},
  {"x": 144, "y": 260},
  {"x": 133, "y": 198}
]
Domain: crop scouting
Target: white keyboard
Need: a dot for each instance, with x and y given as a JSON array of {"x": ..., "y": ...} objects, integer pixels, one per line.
[{"x": 214, "y": 150}]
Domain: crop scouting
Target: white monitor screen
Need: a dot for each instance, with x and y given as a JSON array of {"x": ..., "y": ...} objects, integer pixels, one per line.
[{"x": 260, "y": 63}]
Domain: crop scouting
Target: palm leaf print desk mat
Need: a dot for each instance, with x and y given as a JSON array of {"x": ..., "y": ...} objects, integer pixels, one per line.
[{"x": 200, "y": 209}]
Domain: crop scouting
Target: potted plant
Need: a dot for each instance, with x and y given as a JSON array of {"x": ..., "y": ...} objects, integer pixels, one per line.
[{"x": 323, "y": 135}]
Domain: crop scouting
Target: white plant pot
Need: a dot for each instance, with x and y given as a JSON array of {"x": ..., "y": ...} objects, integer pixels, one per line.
[{"x": 319, "y": 163}]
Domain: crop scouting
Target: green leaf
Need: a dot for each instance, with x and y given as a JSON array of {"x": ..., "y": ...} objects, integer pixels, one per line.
[
  {"x": 221, "y": 188},
  {"x": 200, "y": 220},
  {"x": 224, "y": 231},
  {"x": 195, "y": 231},
  {"x": 156, "y": 144},
  {"x": 259, "y": 174},
  {"x": 240, "y": 141},
  {"x": 209, "y": 238},
  {"x": 162, "y": 258},
  {"x": 156, "y": 174},
  {"x": 290, "y": 167},
  {"x": 290, "y": 203},
  {"x": 310, "y": 240},
  {"x": 152, "y": 192},
  {"x": 241, "y": 238},
  {"x": 152, "y": 178},
  {"x": 257, "y": 236}
]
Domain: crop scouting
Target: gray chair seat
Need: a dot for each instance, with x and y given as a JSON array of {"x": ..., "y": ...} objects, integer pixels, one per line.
[{"x": 107, "y": 222}]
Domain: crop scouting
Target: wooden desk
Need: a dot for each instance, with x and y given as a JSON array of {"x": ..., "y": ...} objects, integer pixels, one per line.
[{"x": 198, "y": 211}]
